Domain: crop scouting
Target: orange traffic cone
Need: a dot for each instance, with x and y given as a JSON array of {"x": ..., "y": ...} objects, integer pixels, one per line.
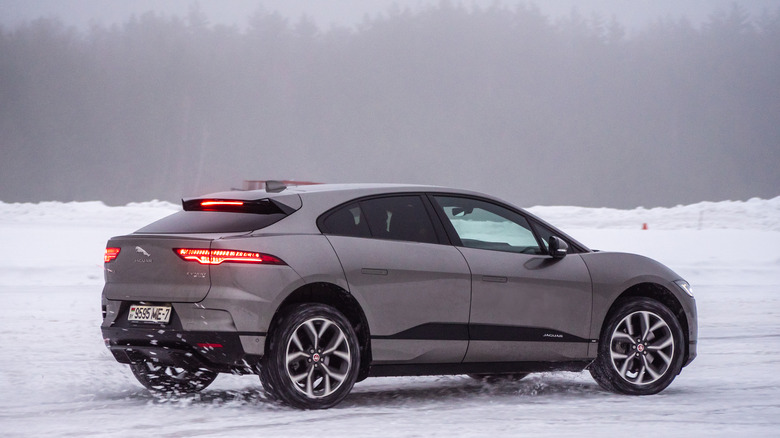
[{"x": 644, "y": 226}]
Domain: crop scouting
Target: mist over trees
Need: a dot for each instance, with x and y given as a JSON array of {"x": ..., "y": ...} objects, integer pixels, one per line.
[{"x": 497, "y": 99}]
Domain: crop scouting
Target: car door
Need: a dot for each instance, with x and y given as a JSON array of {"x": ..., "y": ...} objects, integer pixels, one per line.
[
  {"x": 526, "y": 305},
  {"x": 415, "y": 291}
]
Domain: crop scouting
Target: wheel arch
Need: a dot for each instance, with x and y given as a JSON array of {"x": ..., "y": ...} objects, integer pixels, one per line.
[
  {"x": 659, "y": 293},
  {"x": 338, "y": 298}
]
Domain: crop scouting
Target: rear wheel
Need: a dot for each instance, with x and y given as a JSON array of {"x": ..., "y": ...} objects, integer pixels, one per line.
[
  {"x": 640, "y": 348},
  {"x": 170, "y": 379},
  {"x": 313, "y": 357}
]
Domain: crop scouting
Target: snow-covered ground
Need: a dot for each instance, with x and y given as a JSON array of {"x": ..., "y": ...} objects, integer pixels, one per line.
[{"x": 57, "y": 378}]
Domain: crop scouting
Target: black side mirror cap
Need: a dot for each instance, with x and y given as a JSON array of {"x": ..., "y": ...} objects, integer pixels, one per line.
[{"x": 558, "y": 247}]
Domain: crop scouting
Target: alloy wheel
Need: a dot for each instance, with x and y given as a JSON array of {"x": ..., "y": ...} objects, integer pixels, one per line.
[
  {"x": 642, "y": 348},
  {"x": 317, "y": 358}
]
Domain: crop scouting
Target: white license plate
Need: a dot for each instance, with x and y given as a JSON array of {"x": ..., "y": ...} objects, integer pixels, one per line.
[{"x": 149, "y": 313}]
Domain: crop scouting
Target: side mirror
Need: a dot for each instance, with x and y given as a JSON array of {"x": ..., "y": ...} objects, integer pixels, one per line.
[
  {"x": 558, "y": 248},
  {"x": 457, "y": 211}
]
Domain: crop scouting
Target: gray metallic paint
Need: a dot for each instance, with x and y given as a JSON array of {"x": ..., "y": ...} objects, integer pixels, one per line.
[
  {"x": 614, "y": 273},
  {"x": 424, "y": 283},
  {"x": 158, "y": 276},
  {"x": 539, "y": 292}
]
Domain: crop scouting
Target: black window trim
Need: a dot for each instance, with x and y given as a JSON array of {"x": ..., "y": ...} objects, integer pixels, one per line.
[
  {"x": 442, "y": 237},
  {"x": 445, "y": 232},
  {"x": 574, "y": 247},
  {"x": 443, "y": 216}
]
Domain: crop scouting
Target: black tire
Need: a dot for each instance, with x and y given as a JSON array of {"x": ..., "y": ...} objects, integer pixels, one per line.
[
  {"x": 499, "y": 378},
  {"x": 640, "y": 348},
  {"x": 313, "y": 357},
  {"x": 168, "y": 379}
]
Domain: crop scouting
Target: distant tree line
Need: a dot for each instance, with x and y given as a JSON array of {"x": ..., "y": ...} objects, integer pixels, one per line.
[{"x": 500, "y": 99}]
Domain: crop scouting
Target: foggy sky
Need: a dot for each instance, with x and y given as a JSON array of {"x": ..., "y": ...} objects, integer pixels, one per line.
[
  {"x": 632, "y": 14},
  {"x": 537, "y": 108}
]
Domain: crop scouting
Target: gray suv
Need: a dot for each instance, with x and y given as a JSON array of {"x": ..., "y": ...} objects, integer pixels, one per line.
[{"x": 317, "y": 287}]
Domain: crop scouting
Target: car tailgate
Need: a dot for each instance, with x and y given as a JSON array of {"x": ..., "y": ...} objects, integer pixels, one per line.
[{"x": 148, "y": 269}]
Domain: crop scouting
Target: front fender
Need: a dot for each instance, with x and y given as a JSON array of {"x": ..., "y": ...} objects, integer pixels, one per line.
[{"x": 614, "y": 273}]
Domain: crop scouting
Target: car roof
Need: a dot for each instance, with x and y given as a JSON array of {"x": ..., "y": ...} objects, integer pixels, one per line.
[
  {"x": 319, "y": 198},
  {"x": 339, "y": 190}
]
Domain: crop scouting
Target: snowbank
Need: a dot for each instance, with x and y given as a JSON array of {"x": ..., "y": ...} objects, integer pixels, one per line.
[
  {"x": 753, "y": 214},
  {"x": 96, "y": 213}
]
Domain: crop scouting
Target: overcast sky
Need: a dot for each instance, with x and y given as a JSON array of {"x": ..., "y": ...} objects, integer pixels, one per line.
[
  {"x": 160, "y": 109},
  {"x": 632, "y": 14}
]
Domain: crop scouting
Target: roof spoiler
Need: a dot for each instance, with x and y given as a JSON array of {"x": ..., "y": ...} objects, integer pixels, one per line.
[{"x": 257, "y": 206}]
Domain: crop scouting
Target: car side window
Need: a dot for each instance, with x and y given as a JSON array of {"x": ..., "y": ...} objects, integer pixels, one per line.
[
  {"x": 399, "y": 218},
  {"x": 483, "y": 225},
  {"x": 346, "y": 221}
]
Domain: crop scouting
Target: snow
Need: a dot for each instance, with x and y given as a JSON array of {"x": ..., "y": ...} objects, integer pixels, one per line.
[
  {"x": 57, "y": 378},
  {"x": 753, "y": 214}
]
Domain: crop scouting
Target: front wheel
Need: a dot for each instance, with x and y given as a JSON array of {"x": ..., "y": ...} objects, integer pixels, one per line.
[
  {"x": 640, "y": 349},
  {"x": 312, "y": 359},
  {"x": 169, "y": 379}
]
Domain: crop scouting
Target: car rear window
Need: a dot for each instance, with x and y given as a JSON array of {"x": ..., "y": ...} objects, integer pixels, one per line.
[
  {"x": 346, "y": 221},
  {"x": 185, "y": 222}
]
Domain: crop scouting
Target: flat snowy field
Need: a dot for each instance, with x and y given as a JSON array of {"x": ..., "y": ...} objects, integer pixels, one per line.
[{"x": 57, "y": 378}]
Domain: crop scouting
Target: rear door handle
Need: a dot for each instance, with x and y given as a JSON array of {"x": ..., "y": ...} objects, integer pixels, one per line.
[{"x": 494, "y": 279}]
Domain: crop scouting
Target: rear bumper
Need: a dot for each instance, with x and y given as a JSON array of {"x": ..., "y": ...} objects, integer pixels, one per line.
[
  {"x": 216, "y": 351},
  {"x": 194, "y": 337}
]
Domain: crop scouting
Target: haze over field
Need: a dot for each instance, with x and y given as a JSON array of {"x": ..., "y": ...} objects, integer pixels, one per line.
[{"x": 541, "y": 105}]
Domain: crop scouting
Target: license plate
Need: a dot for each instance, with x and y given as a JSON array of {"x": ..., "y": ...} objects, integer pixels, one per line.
[{"x": 141, "y": 313}]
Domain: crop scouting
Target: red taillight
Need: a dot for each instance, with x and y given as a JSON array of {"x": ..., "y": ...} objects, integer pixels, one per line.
[
  {"x": 110, "y": 254},
  {"x": 221, "y": 203},
  {"x": 217, "y": 256},
  {"x": 207, "y": 346}
]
